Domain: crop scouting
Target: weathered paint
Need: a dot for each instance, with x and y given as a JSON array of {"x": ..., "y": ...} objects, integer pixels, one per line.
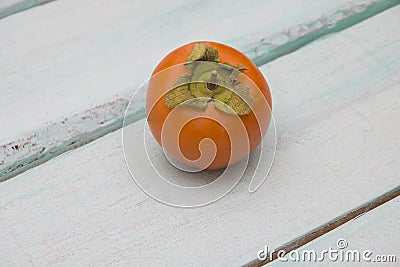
[
  {"x": 267, "y": 48},
  {"x": 83, "y": 208},
  {"x": 68, "y": 133},
  {"x": 374, "y": 230},
  {"x": 10, "y": 7},
  {"x": 322, "y": 230}
]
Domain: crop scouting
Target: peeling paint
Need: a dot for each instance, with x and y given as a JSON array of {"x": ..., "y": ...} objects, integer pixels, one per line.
[
  {"x": 81, "y": 128},
  {"x": 271, "y": 47}
]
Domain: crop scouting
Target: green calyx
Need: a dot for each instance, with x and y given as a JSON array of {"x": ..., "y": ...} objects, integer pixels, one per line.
[{"x": 208, "y": 82}]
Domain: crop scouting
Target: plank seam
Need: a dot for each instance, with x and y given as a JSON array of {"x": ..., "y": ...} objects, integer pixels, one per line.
[
  {"x": 329, "y": 226},
  {"x": 84, "y": 127},
  {"x": 20, "y": 7}
]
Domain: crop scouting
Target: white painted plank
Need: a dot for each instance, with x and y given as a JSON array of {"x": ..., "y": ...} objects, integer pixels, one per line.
[
  {"x": 9, "y": 7},
  {"x": 88, "y": 57},
  {"x": 338, "y": 148},
  {"x": 377, "y": 231}
]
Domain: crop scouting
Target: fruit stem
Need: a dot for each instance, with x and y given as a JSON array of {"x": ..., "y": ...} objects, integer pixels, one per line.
[{"x": 212, "y": 85}]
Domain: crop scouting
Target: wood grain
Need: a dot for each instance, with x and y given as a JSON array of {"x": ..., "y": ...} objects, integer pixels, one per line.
[
  {"x": 336, "y": 108},
  {"x": 89, "y": 61},
  {"x": 376, "y": 231},
  {"x": 323, "y": 232}
]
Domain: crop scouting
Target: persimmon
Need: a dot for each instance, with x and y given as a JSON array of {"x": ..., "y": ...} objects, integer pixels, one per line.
[{"x": 208, "y": 85}]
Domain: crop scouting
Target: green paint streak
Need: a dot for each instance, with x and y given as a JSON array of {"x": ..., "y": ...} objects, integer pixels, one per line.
[
  {"x": 271, "y": 54},
  {"x": 36, "y": 159},
  {"x": 268, "y": 53},
  {"x": 20, "y": 6}
]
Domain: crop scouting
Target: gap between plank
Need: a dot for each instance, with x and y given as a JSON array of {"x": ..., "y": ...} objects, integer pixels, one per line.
[
  {"x": 19, "y": 6},
  {"x": 79, "y": 129},
  {"x": 330, "y": 225}
]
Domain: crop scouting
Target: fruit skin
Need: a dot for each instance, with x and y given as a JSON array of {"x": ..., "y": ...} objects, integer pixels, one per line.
[{"x": 200, "y": 128}]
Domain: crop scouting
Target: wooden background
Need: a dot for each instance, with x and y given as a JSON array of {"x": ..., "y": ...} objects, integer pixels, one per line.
[{"x": 68, "y": 69}]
